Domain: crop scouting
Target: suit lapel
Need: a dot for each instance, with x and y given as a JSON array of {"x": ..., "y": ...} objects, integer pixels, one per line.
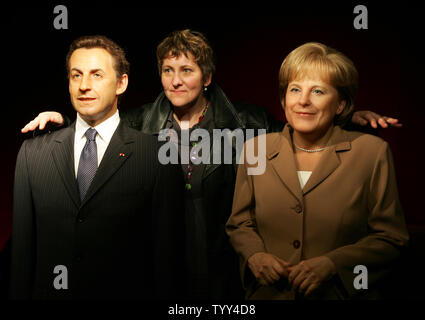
[
  {"x": 63, "y": 156},
  {"x": 282, "y": 159},
  {"x": 117, "y": 152},
  {"x": 329, "y": 161},
  {"x": 231, "y": 141},
  {"x": 327, "y": 164},
  {"x": 210, "y": 168},
  {"x": 223, "y": 146}
]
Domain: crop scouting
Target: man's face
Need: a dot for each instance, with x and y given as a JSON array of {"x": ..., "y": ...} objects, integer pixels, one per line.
[{"x": 93, "y": 84}]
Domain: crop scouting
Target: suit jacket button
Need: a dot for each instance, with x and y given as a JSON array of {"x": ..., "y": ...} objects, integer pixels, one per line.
[
  {"x": 80, "y": 220},
  {"x": 296, "y": 244},
  {"x": 298, "y": 209}
]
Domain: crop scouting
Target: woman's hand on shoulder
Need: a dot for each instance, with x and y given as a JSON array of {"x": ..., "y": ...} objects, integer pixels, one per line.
[{"x": 366, "y": 117}]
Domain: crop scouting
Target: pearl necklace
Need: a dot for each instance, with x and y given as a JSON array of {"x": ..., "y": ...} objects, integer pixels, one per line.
[{"x": 309, "y": 150}]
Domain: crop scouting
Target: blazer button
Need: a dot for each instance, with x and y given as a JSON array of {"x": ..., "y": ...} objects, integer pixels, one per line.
[
  {"x": 298, "y": 209},
  {"x": 296, "y": 244},
  {"x": 80, "y": 220}
]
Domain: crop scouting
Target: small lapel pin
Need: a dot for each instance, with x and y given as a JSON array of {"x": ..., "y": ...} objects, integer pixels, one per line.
[{"x": 122, "y": 155}]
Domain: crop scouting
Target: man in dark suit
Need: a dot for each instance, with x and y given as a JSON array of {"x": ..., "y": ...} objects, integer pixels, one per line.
[{"x": 95, "y": 214}]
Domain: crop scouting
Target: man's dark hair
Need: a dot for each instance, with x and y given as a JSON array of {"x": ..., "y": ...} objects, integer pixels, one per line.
[{"x": 121, "y": 65}]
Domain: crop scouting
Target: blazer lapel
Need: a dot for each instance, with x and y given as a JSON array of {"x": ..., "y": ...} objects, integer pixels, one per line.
[
  {"x": 225, "y": 145},
  {"x": 117, "y": 152},
  {"x": 63, "y": 158},
  {"x": 210, "y": 168},
  {"x": 329, "y": 161},
  {"x": 281, "y": 157}
]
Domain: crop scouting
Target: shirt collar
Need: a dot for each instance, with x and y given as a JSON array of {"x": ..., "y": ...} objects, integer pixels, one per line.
[{"x": 105, "y": 130}]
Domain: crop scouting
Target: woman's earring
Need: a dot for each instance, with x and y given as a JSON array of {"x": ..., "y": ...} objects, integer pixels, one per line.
[{"x": 205, "y": 89}]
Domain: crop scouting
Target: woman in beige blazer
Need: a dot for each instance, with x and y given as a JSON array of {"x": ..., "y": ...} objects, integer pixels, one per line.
[{"x": 324, "y": 220}]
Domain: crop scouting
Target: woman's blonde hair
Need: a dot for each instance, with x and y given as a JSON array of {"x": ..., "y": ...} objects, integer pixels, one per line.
[{"x": 334, "y": 68}]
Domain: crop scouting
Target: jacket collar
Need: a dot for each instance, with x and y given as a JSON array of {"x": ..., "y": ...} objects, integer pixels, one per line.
[
  {"x": 281, "y": 156},
  {"x": 338, "y": 141},
  {"x": 63, "y": 157},
  {"x": 118, "y": 151},
  {"x": 224, "y": 112}
]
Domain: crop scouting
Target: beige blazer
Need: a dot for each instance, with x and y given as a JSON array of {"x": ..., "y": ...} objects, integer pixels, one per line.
[{"x": 349, "y": 210}]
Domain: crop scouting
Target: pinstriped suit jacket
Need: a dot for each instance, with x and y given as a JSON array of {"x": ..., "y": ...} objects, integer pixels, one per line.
[{"x": 124, "y": 240}]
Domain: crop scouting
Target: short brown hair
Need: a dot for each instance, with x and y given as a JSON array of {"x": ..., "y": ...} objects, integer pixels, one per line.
[
  {"x": 121, "y": 65},
  {"x": 333, "y": 65},
  {"x": 184, "y": 41}
]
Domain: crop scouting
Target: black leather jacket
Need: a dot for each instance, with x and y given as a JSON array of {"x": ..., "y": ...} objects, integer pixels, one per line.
[
  {"x": 218, "y": 180},
  {"x": 152, "y": 117}
]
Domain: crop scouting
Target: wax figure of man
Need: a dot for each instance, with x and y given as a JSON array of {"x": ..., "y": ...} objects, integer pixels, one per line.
[{"x": 93, "y": 198}]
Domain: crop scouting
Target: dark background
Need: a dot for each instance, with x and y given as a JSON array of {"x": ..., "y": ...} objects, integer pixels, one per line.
[{"x": 250, "y": 42}]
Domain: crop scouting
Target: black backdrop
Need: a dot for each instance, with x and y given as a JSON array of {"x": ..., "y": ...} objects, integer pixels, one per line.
[{"x": 250, "y": 42}]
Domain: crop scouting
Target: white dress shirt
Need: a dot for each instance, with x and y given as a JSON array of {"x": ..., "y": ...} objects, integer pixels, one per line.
[
  {"x": 105, "y": 131},
  {"x": 303, "y": 176}
]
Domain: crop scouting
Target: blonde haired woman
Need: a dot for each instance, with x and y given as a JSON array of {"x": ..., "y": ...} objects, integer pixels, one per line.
[{"x": 328, "y": 199}]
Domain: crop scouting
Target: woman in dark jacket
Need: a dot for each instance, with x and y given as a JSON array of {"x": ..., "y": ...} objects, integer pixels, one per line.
[{"x": 191, "y": 100}]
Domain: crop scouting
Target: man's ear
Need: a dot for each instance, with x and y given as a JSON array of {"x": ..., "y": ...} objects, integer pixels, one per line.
[{"x": 122, "y": 84}]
